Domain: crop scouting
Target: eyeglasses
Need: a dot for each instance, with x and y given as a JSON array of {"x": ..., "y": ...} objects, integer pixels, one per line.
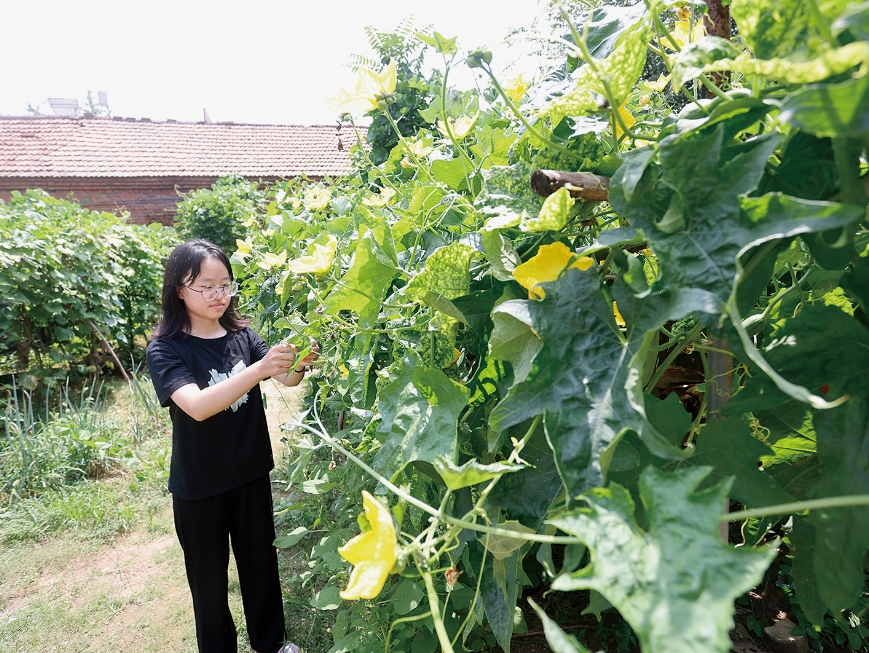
[{"x": 210, "y": 293}]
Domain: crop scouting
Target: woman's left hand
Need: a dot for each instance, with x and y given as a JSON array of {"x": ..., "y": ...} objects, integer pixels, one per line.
[{"x": 308, "y": 360}]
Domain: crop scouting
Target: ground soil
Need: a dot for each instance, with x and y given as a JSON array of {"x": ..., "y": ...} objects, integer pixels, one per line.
[{"x": 128, "y": 595}]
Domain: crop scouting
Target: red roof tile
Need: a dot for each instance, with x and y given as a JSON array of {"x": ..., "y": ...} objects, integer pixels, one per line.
[{"x": 42, "y": 146}]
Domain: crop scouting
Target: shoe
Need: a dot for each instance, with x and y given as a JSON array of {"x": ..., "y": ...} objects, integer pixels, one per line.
[{"x": 290, "y": 648}]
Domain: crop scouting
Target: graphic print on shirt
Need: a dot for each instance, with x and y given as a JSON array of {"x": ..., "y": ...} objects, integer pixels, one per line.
[{"x": 217, "y": 377}]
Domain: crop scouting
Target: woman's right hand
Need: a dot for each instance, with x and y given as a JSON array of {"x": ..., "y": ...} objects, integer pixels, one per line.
[{"x": 279, "y": 361}]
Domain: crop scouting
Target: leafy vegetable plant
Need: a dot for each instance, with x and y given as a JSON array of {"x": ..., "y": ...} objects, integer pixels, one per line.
[{"x": 503, "y": 363}]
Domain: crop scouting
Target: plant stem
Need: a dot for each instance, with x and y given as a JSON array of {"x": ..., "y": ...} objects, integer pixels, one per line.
[
  {"x": 505, "y": 532},
  {"x": 435, "y": 605},
  {"x": 820, "y": 23},
  {"x": 799, "y": 506},
  {"x": 515, "y": 111},
  {"x": 449, "y": 129},
  {"x": 693, "y": 333}
]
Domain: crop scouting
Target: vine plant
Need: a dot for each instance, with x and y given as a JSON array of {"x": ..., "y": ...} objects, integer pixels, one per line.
[{"x": 521, "y": 374}]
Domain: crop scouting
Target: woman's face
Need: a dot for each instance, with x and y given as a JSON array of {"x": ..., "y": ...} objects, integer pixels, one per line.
[{"x": 212, "y": 273}]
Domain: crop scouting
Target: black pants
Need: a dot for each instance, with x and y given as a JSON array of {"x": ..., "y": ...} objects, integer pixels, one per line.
[{"x": 204, "y": 527}]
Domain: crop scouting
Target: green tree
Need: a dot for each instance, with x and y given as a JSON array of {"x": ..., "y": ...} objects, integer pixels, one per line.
[
  {"x": 218, "y": 213},
  {"x": 413, "y": 91}
]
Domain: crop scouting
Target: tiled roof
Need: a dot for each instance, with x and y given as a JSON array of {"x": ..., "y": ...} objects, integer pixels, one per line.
[{"x": 42, "y": 146}]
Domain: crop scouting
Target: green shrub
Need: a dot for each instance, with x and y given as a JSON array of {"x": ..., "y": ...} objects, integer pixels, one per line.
[
  {"x": 65, "y": 271},
  {"x": 218, "y": 213}
]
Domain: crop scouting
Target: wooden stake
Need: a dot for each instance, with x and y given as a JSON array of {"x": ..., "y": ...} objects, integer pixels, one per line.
[{"x": 582, "y": 185}]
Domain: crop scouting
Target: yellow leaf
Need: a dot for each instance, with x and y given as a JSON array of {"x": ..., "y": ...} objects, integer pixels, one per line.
[
  {"x": 318, "y": 260},
  {"x": 547, "y": 265},
  {"x": 372, "y": 553}
]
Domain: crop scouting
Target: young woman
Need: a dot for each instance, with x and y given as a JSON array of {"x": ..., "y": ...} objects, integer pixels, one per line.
[{"x": 206, "y": 365}]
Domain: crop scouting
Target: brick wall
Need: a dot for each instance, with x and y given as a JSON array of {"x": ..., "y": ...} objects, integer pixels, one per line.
[{"x": 147, "y": 199}]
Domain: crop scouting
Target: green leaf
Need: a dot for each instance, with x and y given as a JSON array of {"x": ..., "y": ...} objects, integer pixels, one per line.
[
  {"x": 829, "y": 109},
  {"x": 476, "y": 308},
  {"x": 578, "y": 378},
  {"x": 621, "y": 69},
  {"x": 362, "y": 287},
  {"x": 790, "y": 433},
  {"x": 419, "y": 412},
  {"x": 802, "y": 539},
  {"x": 771, "y": 27},
  {"x": 734, "y": 115},
  {"x": 439, "y": 42},
  {"x": 440, "y": 303},
  {"x": 454, "y": 173},
  {"x": 807, "y": 169},
  {"x": 503, "y": 259},
  {"x": 856, "y": 282},
  {"x": 856, "y": 20},
  {"x": 802, "y": 351},
  {"x": 507, "y": 195},
  {"x": 327, "y": 598},
  {"x": 471, "y": 473},
  {"x": 841, "y": 534},
  {"x": 503, "y": 546},
  {"x": 606, "y": 24},
  {"x": 720, "y": 225},
  {"x": 286, "y": 541},
  {"x": 630, "y": 172},
  {"x": 675, "y": 583},
  {"x": 688, "y": 64},
  {"x": 558, "y": 640},
  {"x": 668, "y": 417},
  {"x": 513, "y": 338},
  {"x": 553, "y": 214},
  {"x": 407, "y": 596},
  {"x": 527, "y": 494},
  {"x": 446, "y": 273},
  {"x": 730, "y": 450},
  {"x": 498, "y": 591}
]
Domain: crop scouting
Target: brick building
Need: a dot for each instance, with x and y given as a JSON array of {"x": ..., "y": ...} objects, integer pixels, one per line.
[{"x": 140, "y": 165}]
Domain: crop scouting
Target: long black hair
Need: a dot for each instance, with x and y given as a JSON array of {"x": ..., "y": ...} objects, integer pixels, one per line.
[{"x": 183, "y": 266}]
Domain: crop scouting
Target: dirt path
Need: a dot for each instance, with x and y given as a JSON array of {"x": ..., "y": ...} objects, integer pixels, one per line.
[{"x": 130, "y": 595}]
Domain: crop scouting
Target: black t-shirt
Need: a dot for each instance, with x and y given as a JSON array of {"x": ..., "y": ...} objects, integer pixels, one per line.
[{"x": 226, "y": 450}]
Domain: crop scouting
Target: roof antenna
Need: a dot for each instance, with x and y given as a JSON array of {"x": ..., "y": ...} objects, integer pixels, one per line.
[{"x": 205, "y": 117}]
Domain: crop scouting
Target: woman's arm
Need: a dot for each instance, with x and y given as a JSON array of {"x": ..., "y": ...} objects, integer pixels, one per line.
[{"x": 202, "y": 404}]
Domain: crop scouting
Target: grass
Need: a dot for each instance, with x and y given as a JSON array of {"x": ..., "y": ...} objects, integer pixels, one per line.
[{"x": 93, "y": 564}]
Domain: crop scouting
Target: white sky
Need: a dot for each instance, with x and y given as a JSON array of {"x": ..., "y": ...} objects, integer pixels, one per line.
[{"x": 259, "y": 61}]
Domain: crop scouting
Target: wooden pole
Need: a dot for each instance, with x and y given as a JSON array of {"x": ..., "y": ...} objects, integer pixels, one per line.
[
  {"x": 719, "y": 388},
  {"x": 111, "y": 351},
  {"x": 582, "y": 185},
  {"x": 717, "y": 23}
]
